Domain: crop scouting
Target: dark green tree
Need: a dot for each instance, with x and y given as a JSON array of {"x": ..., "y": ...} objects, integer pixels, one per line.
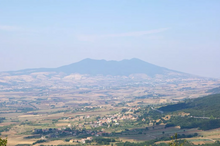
[{"x": 3, "y": 142}]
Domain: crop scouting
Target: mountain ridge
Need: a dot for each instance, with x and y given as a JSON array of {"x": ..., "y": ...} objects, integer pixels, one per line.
[{"x": 103, "y": 67}]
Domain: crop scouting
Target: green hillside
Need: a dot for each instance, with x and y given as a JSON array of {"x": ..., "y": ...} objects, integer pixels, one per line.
[
  {"x": 214, "y": 90},
  {"x": 205, "y": 106},
  {"x": 204, "y": 113}
]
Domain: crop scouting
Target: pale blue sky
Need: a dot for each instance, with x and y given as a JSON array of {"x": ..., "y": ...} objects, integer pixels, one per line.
[{"x": 183, "y": 35}]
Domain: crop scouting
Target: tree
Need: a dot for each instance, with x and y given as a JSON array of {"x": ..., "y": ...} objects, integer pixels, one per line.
[
  {"x": 3, "y": 142},
  {"x": 175, "y": 142},
  {"x": 211, "y": 117}
]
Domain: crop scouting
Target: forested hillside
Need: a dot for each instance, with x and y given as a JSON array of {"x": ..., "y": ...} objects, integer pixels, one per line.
[
  {"x": 207, "y": 106},
  {"x": 214, "y": 90}
]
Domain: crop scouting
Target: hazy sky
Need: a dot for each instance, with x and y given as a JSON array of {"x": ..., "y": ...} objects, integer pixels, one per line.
[{"x": 183, "y": 35}]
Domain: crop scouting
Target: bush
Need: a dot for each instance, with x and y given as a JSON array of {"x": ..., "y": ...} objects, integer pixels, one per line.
[{"x": 39, "y": 141}]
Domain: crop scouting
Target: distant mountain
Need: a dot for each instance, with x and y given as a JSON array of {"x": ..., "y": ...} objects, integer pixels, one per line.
[
  {"x": 90, "y": 73},
  {"x": 103, "y": 67}
]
